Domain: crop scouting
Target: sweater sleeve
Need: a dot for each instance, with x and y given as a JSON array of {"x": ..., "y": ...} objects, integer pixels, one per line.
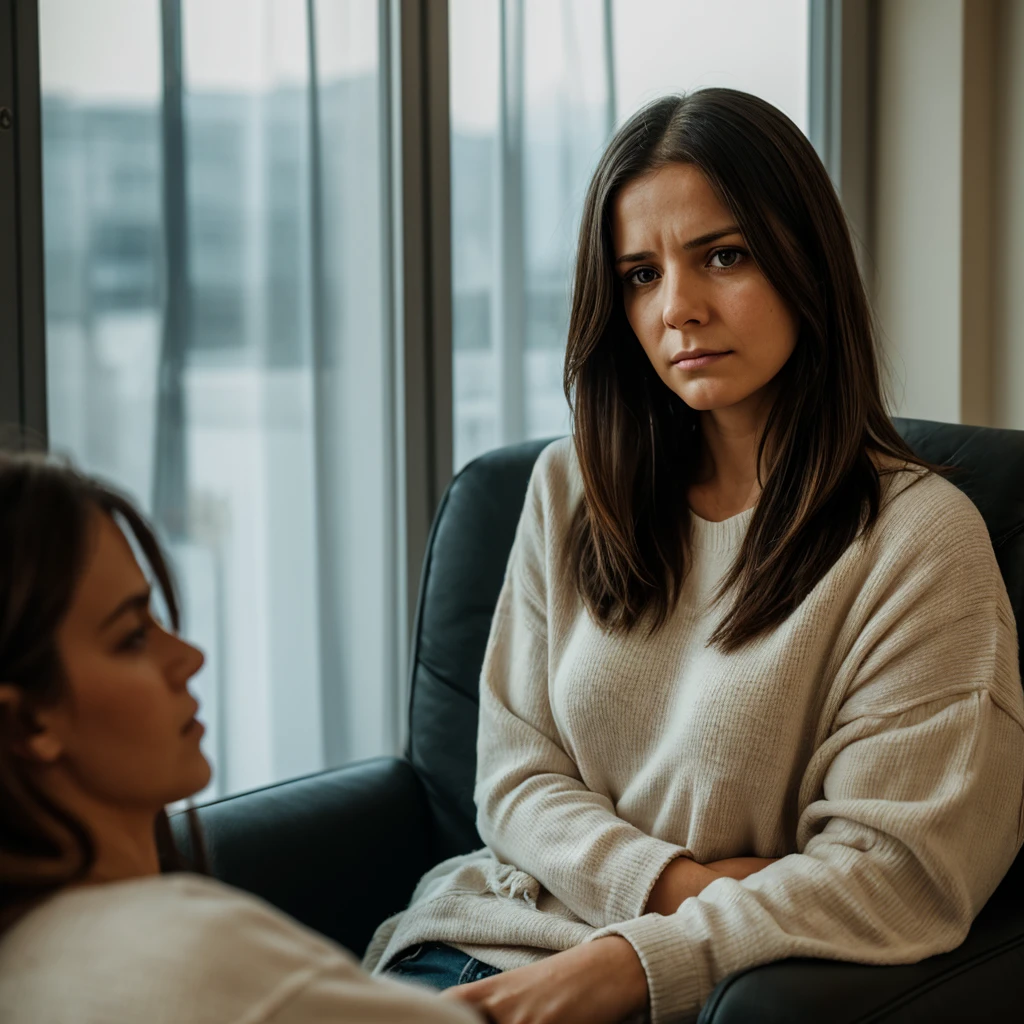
[
  {"x": 533, "y": 809},
  {"x": 911, "y": 805},
  {"x": 249, "y": 962}
]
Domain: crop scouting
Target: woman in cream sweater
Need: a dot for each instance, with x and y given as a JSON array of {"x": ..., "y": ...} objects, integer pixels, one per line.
[
  {"x": 97, "y": 734},
  {"x": 752, "y": 688}
]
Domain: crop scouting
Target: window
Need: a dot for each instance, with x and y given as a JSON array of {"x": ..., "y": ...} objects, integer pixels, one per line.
[
  {"x": 241, "y": 222},
  {"x": 217, "y": 342},
  {"x": 537, "y": 87}
]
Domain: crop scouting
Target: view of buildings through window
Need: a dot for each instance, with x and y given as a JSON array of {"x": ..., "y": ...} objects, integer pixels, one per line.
[
  {"x": 186, "y": 291},
  {"x": 217, "y": 335}
]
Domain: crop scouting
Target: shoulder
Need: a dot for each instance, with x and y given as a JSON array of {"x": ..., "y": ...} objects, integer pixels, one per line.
[
  {"x": 183, "y": 938},
  {"x": 557, "y": 467},
  {"x": 930, "y": 558},
  {"x": 923, "y": 513},
  {"x": 925, "y": 564},
  {"x": 545, "y": 522},
  {"x": 930, "y": 547},
  {"x": 928, "y": 614},
  {"x": 556, "y": 485},
  {"x": 190, "y": 906}
]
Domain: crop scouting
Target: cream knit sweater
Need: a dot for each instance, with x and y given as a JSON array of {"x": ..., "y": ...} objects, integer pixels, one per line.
[
  {"x": 874, "y": 741},
  {"x": 180, "y": 949}
]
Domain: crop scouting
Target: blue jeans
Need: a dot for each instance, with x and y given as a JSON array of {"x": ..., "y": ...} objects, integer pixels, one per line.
[{"x": 440, "y": 966}]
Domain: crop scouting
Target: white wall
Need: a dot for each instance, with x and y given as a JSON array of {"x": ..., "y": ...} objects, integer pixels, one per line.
[
  {"x": 918, "y": 190},
  {"x": 1008, "y": 222},
  {"x": 947, "y": 273}
]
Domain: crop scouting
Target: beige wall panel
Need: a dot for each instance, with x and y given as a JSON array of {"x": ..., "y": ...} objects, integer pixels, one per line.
[
  {"x": 1008, "y": 219},
  {"x": 917, "y": 229},
  {"x": 976, "y": 243}
]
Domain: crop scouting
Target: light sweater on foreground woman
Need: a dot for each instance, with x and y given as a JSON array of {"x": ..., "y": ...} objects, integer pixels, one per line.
[
  {"x": 874, "y": 742},
  {"x": 168, "y": 949}
]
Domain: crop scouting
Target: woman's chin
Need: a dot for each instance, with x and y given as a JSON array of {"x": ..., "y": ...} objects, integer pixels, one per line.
[
  {"x": 196, "y": 778},
  {"x": 708, "y": 399},
  {"x": 713, "y": 396}
]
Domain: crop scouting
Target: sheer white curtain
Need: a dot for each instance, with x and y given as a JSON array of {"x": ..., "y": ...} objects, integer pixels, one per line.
[
  {"x": 217, "y": 254},
  {"x": 218, "y": 345},
  {"x": 530, "y": 111},
  {"x": 537, "y": 88}
]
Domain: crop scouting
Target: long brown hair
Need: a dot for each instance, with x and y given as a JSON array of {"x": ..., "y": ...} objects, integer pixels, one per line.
[
  {"x": 45, "y": 513},
  {"x": 638, "y": 444}
]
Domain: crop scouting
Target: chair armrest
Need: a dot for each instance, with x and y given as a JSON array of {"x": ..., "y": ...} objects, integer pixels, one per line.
[
  {"x": 339, "y": 850},
  {"x": 982, "y": 979}
]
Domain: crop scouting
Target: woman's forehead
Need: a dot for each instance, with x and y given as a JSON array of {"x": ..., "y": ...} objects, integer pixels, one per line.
[
  {"x": 110, "y": 572},
  {"x": 676, "y": 197}
]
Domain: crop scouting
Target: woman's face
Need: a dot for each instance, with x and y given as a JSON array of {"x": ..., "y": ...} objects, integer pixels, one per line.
[
  {"x": 123, "y": 736},
  {"x": 689, "y": 285}
]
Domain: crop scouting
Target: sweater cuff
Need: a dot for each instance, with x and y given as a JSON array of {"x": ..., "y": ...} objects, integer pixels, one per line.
[
  {"x": 632, "y": 876},
  {"x": 673, "y": 985}
]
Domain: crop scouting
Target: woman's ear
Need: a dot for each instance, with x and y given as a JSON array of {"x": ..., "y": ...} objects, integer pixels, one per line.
[{"x": 29, "y": 735}]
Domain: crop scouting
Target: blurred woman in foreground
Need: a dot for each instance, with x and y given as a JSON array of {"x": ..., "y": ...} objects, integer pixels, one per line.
[{"x": 97, "y": 735}]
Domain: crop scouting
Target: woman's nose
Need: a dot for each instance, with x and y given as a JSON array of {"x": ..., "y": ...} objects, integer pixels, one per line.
[
  {"x": 684, "y": 303},
  {"x": 185, "y": 661}
]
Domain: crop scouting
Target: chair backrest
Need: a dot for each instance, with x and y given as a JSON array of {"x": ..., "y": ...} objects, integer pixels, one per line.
[{"x": 465, "y": 564}]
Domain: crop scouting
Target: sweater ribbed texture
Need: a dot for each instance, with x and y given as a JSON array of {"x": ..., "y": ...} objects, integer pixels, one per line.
[
  {"x": 874, "y": 741},
  {"x": 180, "y": 948}
]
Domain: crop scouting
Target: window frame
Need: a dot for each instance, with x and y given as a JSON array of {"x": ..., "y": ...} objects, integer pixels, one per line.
[
  {"x": 22, "y": 296},
  {"x": 414, "y": 50},
  {"x": 840, "y": 102},
  {"x": 420, "y": 190}
]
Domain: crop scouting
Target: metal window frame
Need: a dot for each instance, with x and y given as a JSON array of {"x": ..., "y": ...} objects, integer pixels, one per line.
[
  {"x": 508, "y": 312},
  {"x": 608, "y": 25},
  {"x": 22, "y": 298},
  {"x": 421, "y": 282},
  {"x": 171, "y": 460},
  {"x": 508, "y": 321},
  {"x": 840, "y": 102}
]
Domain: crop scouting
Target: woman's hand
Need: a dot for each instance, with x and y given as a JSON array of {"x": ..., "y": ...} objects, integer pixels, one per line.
[
  {"x": 599, "y": 982},
  {"x": 683, "y": 878}
]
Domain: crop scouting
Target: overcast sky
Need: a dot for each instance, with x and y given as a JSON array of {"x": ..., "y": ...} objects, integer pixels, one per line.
[{"x": 110, "y": 49}]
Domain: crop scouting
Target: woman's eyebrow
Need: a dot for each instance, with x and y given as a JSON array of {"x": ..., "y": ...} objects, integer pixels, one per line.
[
  {"x": 712, "y": 236},
  {"x": 694, "y": 243},
  {"x": 135, "y": 602},
  {"x": 634, "y": 257}
]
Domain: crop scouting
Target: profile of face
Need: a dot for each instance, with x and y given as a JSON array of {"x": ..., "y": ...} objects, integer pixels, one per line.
[
  {"x": 123, "y": 736},
  {"x": 690, "y": 285}
]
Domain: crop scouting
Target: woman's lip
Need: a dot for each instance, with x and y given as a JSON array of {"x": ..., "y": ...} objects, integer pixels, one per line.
[
  {"x": 698, "y": 361},
  {"x": 191, "y": 726}
]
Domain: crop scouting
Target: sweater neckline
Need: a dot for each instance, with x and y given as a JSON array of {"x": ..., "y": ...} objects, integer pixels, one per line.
[{"x": 722, "y": 536}]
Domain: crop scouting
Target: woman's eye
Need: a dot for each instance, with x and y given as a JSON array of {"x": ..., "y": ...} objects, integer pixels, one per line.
[
  {"x": 726, "y": 258},
  {"x": 135, "y": 640},
  {"x": 641, "y": 275}
]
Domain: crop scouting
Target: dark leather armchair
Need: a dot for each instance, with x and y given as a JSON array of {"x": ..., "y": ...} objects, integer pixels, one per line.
[{"x": 341, "y": 850}]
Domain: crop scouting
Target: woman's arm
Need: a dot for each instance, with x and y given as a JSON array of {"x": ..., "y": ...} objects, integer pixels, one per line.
[
  {"x": 888, "y": 877},
  {"x": 684, "y": 878},
  {"x": 891, "y": 878},
  {"x": 914, "y": 803},
  {"x": 600, "y": 982},
  {"x": 533, "y": 809},
  {"x": 913, "y": 806}
]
